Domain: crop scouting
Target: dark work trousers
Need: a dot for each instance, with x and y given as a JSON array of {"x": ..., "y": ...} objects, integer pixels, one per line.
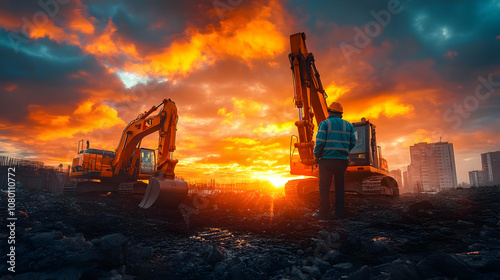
[{"x": 329, "y": 168}]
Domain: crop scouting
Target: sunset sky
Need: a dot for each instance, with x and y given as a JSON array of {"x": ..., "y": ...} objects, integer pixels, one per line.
[{"x": 75, "y": 69}]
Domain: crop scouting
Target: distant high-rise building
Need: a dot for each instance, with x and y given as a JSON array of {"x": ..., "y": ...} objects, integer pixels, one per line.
[
  {"x": 432, "y": 167},
  {"x": 396, "y": 174},
  {"x": 413, "y": 184},
  {"x": 491, "y": 167},
  {"x": 477, "y": 178}
]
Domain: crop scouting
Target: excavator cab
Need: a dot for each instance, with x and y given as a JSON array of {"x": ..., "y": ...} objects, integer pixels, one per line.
[
  {"x": 367, "y": 172},
  {"x": 168, "y": 191},
  {"x": 145, "y": 163},
  {"x": 360, "y": 154},
  {"x": 91, "y": 163},
  {"x": 366, "y": 152},
  {"x": 148, "y": 161},
  {"x": 125, "y": 169}
]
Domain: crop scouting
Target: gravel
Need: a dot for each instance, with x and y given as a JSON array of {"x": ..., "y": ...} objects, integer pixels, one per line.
[{"x": 453, "y": 234}]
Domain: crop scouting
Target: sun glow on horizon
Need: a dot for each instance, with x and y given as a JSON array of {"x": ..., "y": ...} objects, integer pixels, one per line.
[{"x": 277, "y": 182}]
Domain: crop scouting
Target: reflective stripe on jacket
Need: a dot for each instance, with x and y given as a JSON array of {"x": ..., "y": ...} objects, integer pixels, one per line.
[{"x": 335, "y": 138}]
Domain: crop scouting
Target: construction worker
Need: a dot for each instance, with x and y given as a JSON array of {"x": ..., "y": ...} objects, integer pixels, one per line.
[{"x": 334, "y": 141}]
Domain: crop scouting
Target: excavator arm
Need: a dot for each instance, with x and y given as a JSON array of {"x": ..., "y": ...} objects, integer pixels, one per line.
[
  {"x": 309, "y": 95},
  {"x": 165, "y": 122}
]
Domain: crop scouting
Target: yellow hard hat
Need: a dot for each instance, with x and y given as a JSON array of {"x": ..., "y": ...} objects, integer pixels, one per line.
[{"x": 336, "y": 107}]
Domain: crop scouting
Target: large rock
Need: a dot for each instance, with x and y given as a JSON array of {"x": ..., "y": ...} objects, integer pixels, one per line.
[
  {"x": 219, "y": 269},
  {"x": 44, "y": 239},
  {"x": 398, "y": 269},
  {"x": 113, "y": 249},
  {"x": 312, "y": 271},
  {"x": 138, "y": 254},
  {"x": 343, "y": 266},
  {"x": 322, "y": 265},
  {"x": 482, "y": 261},
  {"x": 377, "y": 245},
  {"x": 64, "y": 252},
  {"x": 333, "y": 257},
  {"x": 296, "y": 274},
  {"x": 333, "y": 274},
  {"x": 420, "y": 207},
  {"x": 439, "y": 265},
  {"x": 215, "y": 255}
]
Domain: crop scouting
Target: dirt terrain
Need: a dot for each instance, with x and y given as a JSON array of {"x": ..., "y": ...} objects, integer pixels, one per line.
[{"x": 248, "y": 235}]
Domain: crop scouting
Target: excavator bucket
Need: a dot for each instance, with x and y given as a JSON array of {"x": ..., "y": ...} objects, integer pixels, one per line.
[{"x": 165, "y": 193}]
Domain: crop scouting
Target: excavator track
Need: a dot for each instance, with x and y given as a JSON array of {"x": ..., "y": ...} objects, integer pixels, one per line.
[
  {"x": 165, "y": 193},
  {"x": 367, "y": 172},
  {"x": 123, "y": 170}
]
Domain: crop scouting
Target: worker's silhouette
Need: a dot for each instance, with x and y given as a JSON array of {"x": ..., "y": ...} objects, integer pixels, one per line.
[{"x": 334, "y": 141}]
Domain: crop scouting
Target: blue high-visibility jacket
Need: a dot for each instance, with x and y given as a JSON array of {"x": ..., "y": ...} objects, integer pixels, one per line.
[{"x": 335, "y": 138}]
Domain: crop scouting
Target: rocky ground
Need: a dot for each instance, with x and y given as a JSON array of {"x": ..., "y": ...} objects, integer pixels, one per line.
[{"x": 450, "y": 235}]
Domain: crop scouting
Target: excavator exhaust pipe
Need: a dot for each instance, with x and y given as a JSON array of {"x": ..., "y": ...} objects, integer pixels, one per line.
[{"x": 165, "y": 193}]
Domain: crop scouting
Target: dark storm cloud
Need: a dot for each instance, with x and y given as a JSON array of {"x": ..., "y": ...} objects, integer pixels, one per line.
[
  {"x": 45, "y": 73},
  {"x": 231, "y": 78},
  {"x": 429, "y": 56},
  {"x": 35, "y": 76},
  {"x": 457, "y": 37},
  {"x": 45, "y": 61},
  {"x": 152, "y": 24},
  {"x": 20, "y": 8}
]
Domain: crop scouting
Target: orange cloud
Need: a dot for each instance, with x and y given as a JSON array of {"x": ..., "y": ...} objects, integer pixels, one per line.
[
  {"x": 275, "y": 129},
  {"x": 238, "y": 158},
  {"x": 8, "y": 21},
  {"x": 86, "y": 118},
  {"x": 108, "y": 45},
  {"x": 53, "y": 32},
  {"x": 246, "y": 141},
  {"x": 242, "y": 108},
  {"x": 257, "y": 37}
]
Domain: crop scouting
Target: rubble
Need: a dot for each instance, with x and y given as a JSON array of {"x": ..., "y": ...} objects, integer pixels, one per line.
[{"x": 245, "y": 235}]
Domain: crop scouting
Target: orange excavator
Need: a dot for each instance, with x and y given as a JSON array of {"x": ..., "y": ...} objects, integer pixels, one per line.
[
  {"x": 367, "y": 172},
  {"x": 95, "y": 170}
]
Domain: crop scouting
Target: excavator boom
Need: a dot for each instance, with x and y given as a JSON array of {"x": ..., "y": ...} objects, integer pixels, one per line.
[{"x": 129, "y": 163}]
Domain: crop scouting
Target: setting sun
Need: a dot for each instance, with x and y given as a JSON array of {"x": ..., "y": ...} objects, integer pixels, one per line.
[
  {"x": 188, "y": 139},
  {"x": 277, "y": 182}
]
